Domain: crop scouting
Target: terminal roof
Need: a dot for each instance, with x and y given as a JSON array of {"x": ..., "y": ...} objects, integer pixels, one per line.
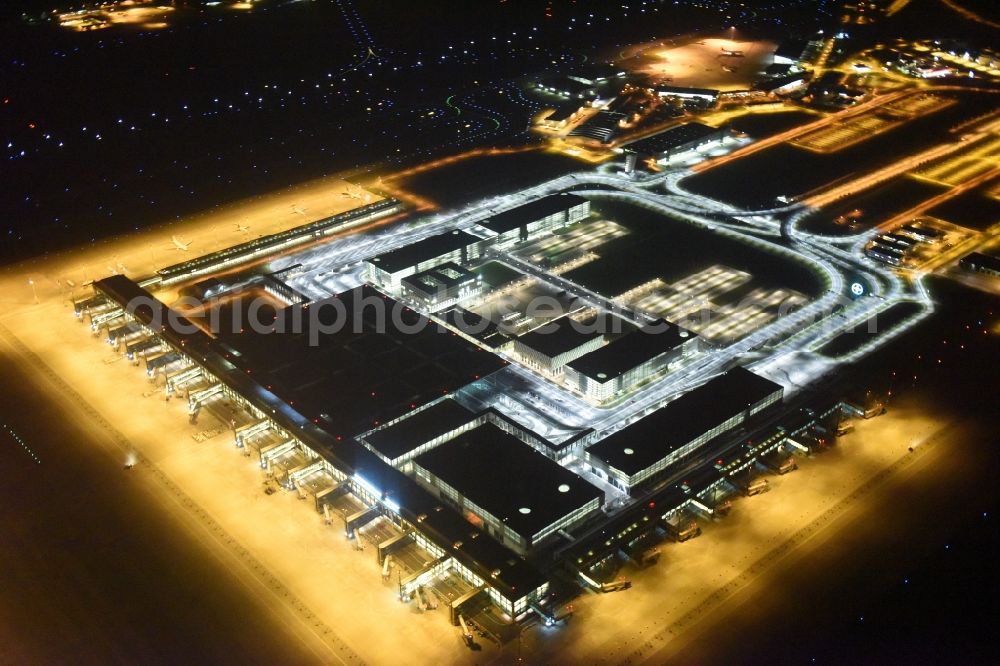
[
  {"x": 649, "y": 440},
  {"x": 404, "y": 436},
  {"x": 382, "y": 361},
  {"x": 476, "y": 326},
  {"x": 681, "y": 90},
  {"x": 563, "y": 112},
  {"x": 424, "y": 250},
  {"x": 439, "y": 278},
  {"x": 507, "y": 478},
  {"x": 507, "y": 572},
  {"x": 630, "y": 351},
  {"x": 562, "y": 335},
  {"x": 515, "y": 218}
]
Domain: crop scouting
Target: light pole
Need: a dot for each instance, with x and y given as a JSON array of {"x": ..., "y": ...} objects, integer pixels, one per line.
[{"x": 34, "y": 294}]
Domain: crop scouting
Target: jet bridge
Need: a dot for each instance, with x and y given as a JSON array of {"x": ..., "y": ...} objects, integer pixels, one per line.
[
  {"x": 102, "y": 318},
  {"x": 303, "y": 470},
  {"x": 121, "y": 331},
  {"x": 251, "y": 429},
  {"x": 409, "y": 584},
  {"x": 178, "y": 378},
  {"x": 466, "y": 600},
  {"x": 197, "y": 398},
  {"x": 360, "y": 518},
  {"x": 82, "y": 307},
  {"x": 134, "y": 349},
  {"x": 269, "y": 453},
  {"x": 392, "y": 544}
]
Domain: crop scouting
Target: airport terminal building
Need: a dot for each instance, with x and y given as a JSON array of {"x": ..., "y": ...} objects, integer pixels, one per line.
[
  {"x": 441, "y": 286},
  {"x": 310, "y": 447},
  {"x": 532, "y": 219},
  {"x": 505, "y": 487},
  {"x": 387, "y": 270},
  {"x": 550, "y": 347},
  {"x": 641, "y": 450},
  {"x": 629, "y": 360},
  {"x": 664, "y": 145}
]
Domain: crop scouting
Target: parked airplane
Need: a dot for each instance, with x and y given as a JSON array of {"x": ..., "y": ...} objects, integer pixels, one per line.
[
  {"x": 298, "y": 209},
  {"x": 179, "y": 244}
]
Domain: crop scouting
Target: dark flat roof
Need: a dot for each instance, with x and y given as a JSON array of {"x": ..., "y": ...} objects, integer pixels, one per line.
[
  {"x": 249, "y": 249},
  {"x": 432, "y": 280},
  {"x": 681, "y": 90},
  {"x": 532, "y": 211},
  {"x": 475, "y": 326},
  {"x": 654, "y": 437},
  {"x": 502, "y": 475},
  {"x": 413, "y": 431},
  {"x": 423, "y": 250},
  {"x": 780, "y": 82},
  {"x": 633, "y": 349},
  {"x": 561, "y": 335},
  {"x": 981, "y": 260},
  {"x": 672, "y": 138},
  {"x": 563, "y": 111},
  {"x": 372, "y": 370}
]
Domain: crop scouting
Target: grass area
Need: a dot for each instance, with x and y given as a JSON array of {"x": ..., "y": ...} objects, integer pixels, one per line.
[
  {"x": 876, "y": 205},
  {"x": 845, "y": 343},
  {"x": 973, "y": 209},
  {"x": 763, "y": 125},
  {"x": 479, "y": 177},
  {"x": 756, "y": 180}
]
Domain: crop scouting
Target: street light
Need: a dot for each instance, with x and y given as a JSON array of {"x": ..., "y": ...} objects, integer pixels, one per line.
[{"x": 34, "y": 294}]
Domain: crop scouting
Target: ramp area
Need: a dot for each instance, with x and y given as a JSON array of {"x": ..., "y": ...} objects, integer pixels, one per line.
[
  {"x": 378, "y": 531},
  {"x": 316, "y": 482},
  {"x": 484, "y": 618},
  {"x": 261, "y": 441},
  {"x": 411, "y": 558},
  {"x": 448, "y": 587},
  {"x": 287, "y": 461},
  {"x": 343, "y": 504}
]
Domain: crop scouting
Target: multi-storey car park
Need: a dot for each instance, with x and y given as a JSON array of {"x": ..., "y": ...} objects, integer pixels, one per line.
[{"x": 426, "y": 426}]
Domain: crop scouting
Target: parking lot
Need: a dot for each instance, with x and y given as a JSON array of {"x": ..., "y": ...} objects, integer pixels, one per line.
[{"x": 716, "y": 304}]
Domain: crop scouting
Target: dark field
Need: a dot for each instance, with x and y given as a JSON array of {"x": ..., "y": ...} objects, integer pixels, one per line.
[
  {"x": 972, "y": 209},
  {"x": 757, "y": 180},
  {"x": 481, "y": 177},
  {"x": 918, "y": 586},
  {"x": 876, "y": 205},
  {"x": 763, "y": 125},
  {"x": 848, "y": 342}
]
